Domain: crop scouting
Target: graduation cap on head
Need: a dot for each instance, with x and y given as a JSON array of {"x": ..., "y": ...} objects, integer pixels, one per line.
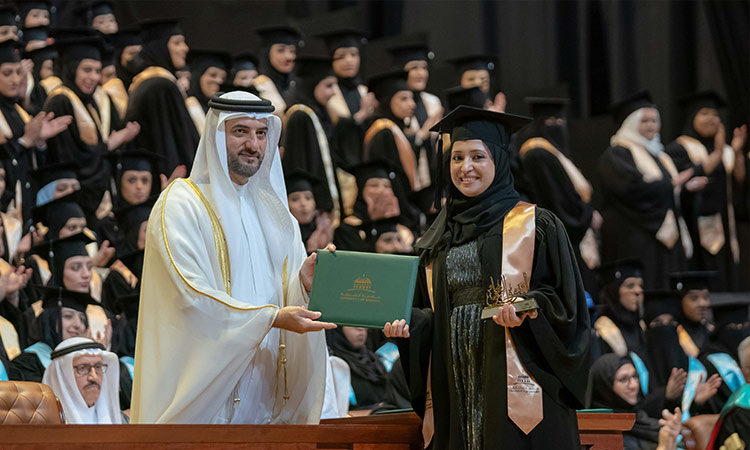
[
  {"x": 280, "y": 34},
  {"x": 473, "y": 62},
  {"x": 125, "y": 38},
  {"x": 200, "y": 60},
  {"x": 374, "y": 168},
  {"x": 25, "y": 6},
  {"x": 55, "y": 214},
  {"x": 40, "y": 33},
  {"x": 47, "y": 174},
  {"x": 620, "y": 110},
  {"x": 466, "y": 122},
  {"x": 313, "y": 68},
  {"x": 704, "y": 99},
  {"x": 57, "y": 251},
  {"x": 343, "y": 38},
  {"x": 252, "y": 106},
  {"x": 547, "y": 106},
  {"x": 385, "y": 85},
  {"x": 617, "y": 271},
  {"x": 457, "y": 96},
  {"x": 228, "y": 87},
  {"x": 689, "y": 281},
  {"x": 299, "y": 181},
  {"x": 407, "y": 52},
  {"x": 138, "y": 159},
  {"x": 656, "y": 303},
  {"x": 59, "y": 296},
  {"x": 8, "y": 16},
  {"x": 96, "y": 8},
  {"x": 244, "y": 61},
  {"x": 159, "y": 29},
  {"x": 78, "y": 48},
  {"x": 10, "y": 51}
]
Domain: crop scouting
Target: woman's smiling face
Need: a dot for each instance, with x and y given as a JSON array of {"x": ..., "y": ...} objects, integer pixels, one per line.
[{"x": 472, "y": 167}]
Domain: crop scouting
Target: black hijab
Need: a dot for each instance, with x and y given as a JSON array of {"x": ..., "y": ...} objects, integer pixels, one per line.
[
  {"x": 362, "y": 361},
  {"x": 283, "y": 81}
]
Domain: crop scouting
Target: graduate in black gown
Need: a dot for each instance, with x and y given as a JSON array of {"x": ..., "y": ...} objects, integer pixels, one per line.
[
  {"x": 376, "y": 200},
  {"x": 8, "y": 24},
  {"x": 307, "y": 126},
  {"x": 157, "y": 103},
  {"x": 128, "y": 60},
  {"x": 96, "y": 128},
  {"x": 276, "y": 81},
  {"x": 43, "y": 76},
  {"x": 635, "y": 194},
  {"x": 34, "y": 13},
  {"x": 315, "y": 225},
  {"x": 385, "y": 138},
  {"x": 693, "y": 318},
  {"x": 468, "y": 374},
  {"x": 244, "y": 70},
  {"x": 208, "y": 71},
  {"x": 709, "y": 212},
  {"x": 660, "y": 312},
  {"x": 720, "y": 353},
  {"x": 552, "y": 180}
]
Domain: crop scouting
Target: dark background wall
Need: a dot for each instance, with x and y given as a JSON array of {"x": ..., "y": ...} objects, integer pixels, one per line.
[{"x": 597, "y": 51}]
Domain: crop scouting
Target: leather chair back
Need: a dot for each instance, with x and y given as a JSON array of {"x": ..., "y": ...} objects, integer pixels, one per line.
[{"x": 24, "y": 402}]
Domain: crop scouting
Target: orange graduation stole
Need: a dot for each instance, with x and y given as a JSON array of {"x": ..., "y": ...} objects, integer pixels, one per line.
[{"x": 524, "y": 393}]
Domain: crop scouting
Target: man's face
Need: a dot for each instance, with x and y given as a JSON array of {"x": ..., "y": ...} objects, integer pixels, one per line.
[
  {"x": 695, "y": 305},
  {"x": 246, "y": 146},
  {"x": 90, "y": 383}
]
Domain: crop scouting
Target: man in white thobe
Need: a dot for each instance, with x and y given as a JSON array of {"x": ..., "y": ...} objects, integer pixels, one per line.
[{"x": 223, "y": 333}]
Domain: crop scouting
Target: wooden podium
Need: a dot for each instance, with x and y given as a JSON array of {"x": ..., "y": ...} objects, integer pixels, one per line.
[{"x": 381, "y": 432}]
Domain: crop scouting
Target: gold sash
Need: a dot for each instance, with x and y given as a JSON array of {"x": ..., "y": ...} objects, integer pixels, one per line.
[
  {"x": 87, "y": 128},
  {"x": 267, "y": 90},
  {"x": 50, "y": 83},
  {"x": 196, "y": 112},
  {"x": 152, "y": 72},
  {"x": 103, "y": 119},
  {"x": 10, "y": 338},
  {"x": 611, "y": 334},
  {"x": 711, "y": 228},
  {"x": 12, "y": 229},
  {"x": 97, "y": 320},
  {"x": 524, "y": 393},
  {"x": 116, "y": 90},
  {"x": 405, "y": 152},
  {"x": 43, "y": 268},
  {"x": 5, "y": 130},
  {"x": 325, "y": 156},
  {"x": 686, "y": 342}
]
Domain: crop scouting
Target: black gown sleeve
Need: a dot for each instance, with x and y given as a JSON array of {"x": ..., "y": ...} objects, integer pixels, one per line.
[{"x": 26, "y": 367}]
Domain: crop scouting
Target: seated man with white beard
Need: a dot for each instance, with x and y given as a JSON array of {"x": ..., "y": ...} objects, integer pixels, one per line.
[{"x": 85, "y": 378}]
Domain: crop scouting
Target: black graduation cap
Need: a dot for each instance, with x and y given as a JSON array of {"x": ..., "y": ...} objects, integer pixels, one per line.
[
  {"x": 374, "y": 168},
  {"x": 159, "y": 29},
  {"x": 244, "y": 61},
  {"x": 39, "y": 55},
  {"x": 40, "y": 33},
  {"x": 96, "y": 8},
  {"x": 374, "y": 229},
  {"x": 280, "y": 34},
  {"x": 547, "y": 106},
  {"x": 343, "y": 38},
  {"x": 473, "y": 62},
  {"x": 407, "y": 52},
  {"x": 8, "y": 16},
  {"x": 693, "y": 280},
  {"x": 704, "y": 99},
  {"x": 299, "y": 180},
  {"x": 55, "y": 213},
  {"x": 25, "y": 6},
  {"x": 57, "y": 251},
  {"x": 657, "y": 303},
  {"x": 10, "y": 51},
  {"x": 59, "y": 296},
  {"x": 249, "y": 106},
  {"x": 126, "y": 37},
  {"x": 457, "y": 96},
  {"x": 622, "y": 109},
  {"x": 466, "y": 122},
  {"x": 617, "y": 271},
  {"x": 313, "y": 68},
  {"x": 47, "y": 174},
  {"x": 200, "y": 60},
  {"x": 386, "y": 84},
  {"x": 228, "y": 87},
  {"x": 84, "y": 47},
  {"x": 138, "y": 159},
  {"x": 734, "y": 311}
]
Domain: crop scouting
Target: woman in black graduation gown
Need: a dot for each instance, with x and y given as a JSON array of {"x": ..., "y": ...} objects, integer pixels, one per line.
[
  {"x": 157, "y": 103},
  {"x": 368, "y": 374},
  {"x": 314, "y": 225},
  {"x": 128, "y": 59},
  {"x": 635, "y": 194},
  {"x": 693, "y": 317},
  {"x": 96, "y": 128},
  {"x": 44, "y": 60},
  {"x": 307, "y": 127},
  {"x": 208, "y": 71},
  {"x": 276, "y": 81},
  {"x": 463, "y": 250},
  {"x": 709, "y": 212}
]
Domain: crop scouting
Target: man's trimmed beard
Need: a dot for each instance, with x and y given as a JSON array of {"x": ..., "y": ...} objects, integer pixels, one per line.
[{"x": 244, "y": 170}]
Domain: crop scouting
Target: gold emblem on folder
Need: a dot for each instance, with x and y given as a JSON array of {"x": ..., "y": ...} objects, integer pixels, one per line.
[{"x": 361, "y": 290}]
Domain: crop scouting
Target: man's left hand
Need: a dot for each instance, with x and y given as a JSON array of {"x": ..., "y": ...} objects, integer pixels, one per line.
[{"x": 308, "y": 268}]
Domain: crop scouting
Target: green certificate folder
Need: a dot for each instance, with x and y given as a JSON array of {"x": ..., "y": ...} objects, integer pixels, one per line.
[{"x": 361, "y": 289}]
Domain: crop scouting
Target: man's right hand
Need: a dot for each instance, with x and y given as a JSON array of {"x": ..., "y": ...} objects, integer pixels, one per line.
[{"x": 300, "y": 320}]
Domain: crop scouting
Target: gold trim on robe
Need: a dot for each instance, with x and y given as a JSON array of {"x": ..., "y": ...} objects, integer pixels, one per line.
[
  {"x": 267, "y": 90},
  {"x": 50, "y": 83},
  {"x": 337, "y": 107},
  {"x": 87, "y": 128},
  {"x": 10, "y": 338},
  {"x": 325, "y": 156},
  {"x": 197, "y": 114},
  {"x": 103, "y": 119},
  {"x": 405, "y": 152},
  {"x": 686, "y": 342},
  {"x": 153, "y": 72},
  {"x": 12, "y": 230},
  {"x": 43, "y": 269},
  {"x": 119, "y": 95},
  {"x": 611, "y": 334}
]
